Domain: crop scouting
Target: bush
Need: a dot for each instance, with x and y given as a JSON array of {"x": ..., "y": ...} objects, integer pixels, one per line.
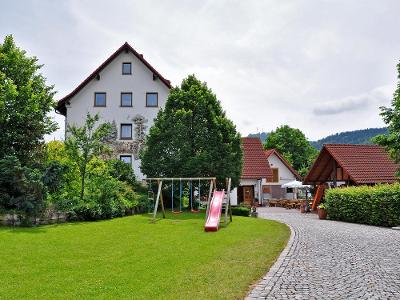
[
  {"x": 121, "y": 171},
  {"x": 374, "y": 205},
  {"x": 105, "y": 197},
  {"x": 241, "y": 211},
  {"x": 144, "y": 203},
  {"x": 21, "y": 189}
]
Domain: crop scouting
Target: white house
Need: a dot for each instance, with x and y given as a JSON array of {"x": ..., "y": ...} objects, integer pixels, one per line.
[
  {"x": 282, "y": 172},
  {"x": 256, "y": 174},
  {"x": 126, "y": 91}
]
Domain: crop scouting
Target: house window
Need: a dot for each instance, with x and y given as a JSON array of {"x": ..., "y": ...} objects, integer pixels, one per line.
[
  {"x": 100, "y": 99},
  {"x": 126, "y": 68},
  {"x": 126, "y": 99},
  {"x": 126, "y": 131},
  {"x": 275, "y": 174},
  {"x": 126, "y": 159},
  {"x": 152, "y": 99},
  {"x": 289, "y": 190}
]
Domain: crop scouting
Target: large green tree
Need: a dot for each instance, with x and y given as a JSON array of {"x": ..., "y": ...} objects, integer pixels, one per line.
[
  {"x": 391, "y": 116},
  {"x": 193, "y": 137},
  {"x": 294, "y": 146},
  {"x": 25, "y": 101}
]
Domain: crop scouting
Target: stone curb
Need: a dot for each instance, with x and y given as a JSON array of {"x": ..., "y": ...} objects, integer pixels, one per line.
[{"x": 265, "y": 285}]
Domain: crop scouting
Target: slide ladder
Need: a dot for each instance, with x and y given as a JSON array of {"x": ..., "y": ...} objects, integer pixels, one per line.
[{"x": 214, "y": 211}]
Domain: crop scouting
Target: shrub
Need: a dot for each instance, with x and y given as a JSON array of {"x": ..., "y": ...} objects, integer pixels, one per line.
[
  {"x": 21, "y": 189},
  {"x": 241, "y": 211},
  {"x": 61, "y": 177},
  {"x": 105, "y": 197},
  {"x": 374, "y": 205},
  {"x": 121, "y": 171},
  {"x": 144, "y": 203}
]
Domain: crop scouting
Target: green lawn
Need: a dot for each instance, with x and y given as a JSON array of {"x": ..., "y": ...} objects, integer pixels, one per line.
[{"x": 131, "y": 258}]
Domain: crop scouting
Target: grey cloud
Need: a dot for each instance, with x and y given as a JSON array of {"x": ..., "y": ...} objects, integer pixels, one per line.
[
  {"x": 377, "y": 96},
  {"x": 340, "y": 106}
]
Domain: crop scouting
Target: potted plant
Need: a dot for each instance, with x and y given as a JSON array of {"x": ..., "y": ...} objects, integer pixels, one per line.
[
  {"x": 322, "y": 213},
  {"x": 303, "y": 206}
]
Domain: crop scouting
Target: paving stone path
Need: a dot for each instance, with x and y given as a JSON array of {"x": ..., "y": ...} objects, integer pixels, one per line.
[{"x": 332, "y": 260}]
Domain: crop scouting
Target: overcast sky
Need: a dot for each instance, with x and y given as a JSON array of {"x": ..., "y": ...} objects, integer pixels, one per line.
[{"x": 320, "y": 66}]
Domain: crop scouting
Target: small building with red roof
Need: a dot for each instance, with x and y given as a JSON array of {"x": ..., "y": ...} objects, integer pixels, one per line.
[
  {"x": 256, "y": 172},
  {"x": 339, "y": 164},
  {"x": 282, "y": 172}
]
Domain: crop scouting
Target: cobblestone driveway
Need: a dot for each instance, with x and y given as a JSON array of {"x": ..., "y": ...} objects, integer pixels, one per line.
[{"x": 332, "y": 260}]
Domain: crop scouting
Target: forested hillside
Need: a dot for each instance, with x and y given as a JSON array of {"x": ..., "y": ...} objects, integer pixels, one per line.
[
  {"x": 262, "y": 136},
  {"x": 362, "y": 136}
]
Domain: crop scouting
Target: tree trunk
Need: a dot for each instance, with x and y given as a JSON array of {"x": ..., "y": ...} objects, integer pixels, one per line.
[{"x": 83, "y": 183}]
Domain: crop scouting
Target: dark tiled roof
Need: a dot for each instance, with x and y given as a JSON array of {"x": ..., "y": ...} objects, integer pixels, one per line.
[
  {"x": 269, "y": 152},
  {"x": 365, "y": 164},
  {"x": 125, "y": 47},
  {"x": 255, "y": 163}
]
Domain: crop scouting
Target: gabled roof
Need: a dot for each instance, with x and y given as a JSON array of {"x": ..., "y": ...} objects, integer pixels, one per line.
[
  {"x": 255, "y": 164},
  {"x": 270, "y": 152},
  {"x": 364, "y": 164},
  {"x": 125, "y": 47}
]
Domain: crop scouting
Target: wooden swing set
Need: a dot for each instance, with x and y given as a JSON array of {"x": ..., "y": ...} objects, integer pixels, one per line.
[{"x": 212, "y": 187}]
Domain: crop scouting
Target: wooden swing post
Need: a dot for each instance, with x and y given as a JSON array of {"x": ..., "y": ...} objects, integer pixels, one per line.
[
  {"x": 159, "y": 197},
  {"x": 209, "y": 197},
  {"x": 228, "y": 201}
]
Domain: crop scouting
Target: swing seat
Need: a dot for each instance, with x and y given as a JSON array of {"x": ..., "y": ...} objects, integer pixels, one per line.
[
  {"x": 177, "y": 212},
  {"x": 195, "y": 211}
]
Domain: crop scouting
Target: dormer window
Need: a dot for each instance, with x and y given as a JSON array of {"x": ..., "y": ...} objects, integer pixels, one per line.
[
  {"x": 100, "y": 99},
  {"x": 126, "y": 68}
]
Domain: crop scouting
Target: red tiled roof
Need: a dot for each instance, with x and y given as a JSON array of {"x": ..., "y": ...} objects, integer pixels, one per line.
[
  {"x": 125, "y": 47},
  {"x": 269, "y": 152},
  {"x": 365, "y": 164},
  {"x": 255, "y": 164}
]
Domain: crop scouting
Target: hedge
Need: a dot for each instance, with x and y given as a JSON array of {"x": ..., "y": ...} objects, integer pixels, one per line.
[
  {"x": 374, "y": 205},
  {"x": 240, "y": 211}
]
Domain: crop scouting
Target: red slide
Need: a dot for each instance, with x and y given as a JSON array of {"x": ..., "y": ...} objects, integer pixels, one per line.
[{"x": 214, "y": 213}]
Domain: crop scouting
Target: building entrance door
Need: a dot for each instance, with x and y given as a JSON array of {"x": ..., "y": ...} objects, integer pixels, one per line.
[{"x": 248, "y": 195}]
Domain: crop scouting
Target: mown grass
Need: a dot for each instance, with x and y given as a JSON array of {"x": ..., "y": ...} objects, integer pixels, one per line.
[{"x": 132, "y": 258}]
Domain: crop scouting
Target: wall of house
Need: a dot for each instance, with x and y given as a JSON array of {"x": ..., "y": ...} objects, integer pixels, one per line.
[
  {"x": 257, "y": 188},
  {"x": 285, "y": 175},
  {"x": 234, "y": 197},
  {"x": 113, "y": 83}
]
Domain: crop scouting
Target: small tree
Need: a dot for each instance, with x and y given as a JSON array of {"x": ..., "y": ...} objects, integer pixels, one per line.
[
  {"x": 85, "y": 143},
  {"x": 294, "y": 146},
  {"x": 391, "y": 116},
  {"x": 193, "y": 137},
  {"x": 25, "y": 101}
]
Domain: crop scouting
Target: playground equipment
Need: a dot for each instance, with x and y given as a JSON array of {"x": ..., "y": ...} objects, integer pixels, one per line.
[
  {"x": 189, "y": 180},
  {"x": 214, "y": 208},
  {"x": 215, "y": 200}
]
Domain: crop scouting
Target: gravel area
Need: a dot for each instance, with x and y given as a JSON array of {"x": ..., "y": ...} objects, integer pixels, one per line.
[{"x": 331, "y": 260}]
